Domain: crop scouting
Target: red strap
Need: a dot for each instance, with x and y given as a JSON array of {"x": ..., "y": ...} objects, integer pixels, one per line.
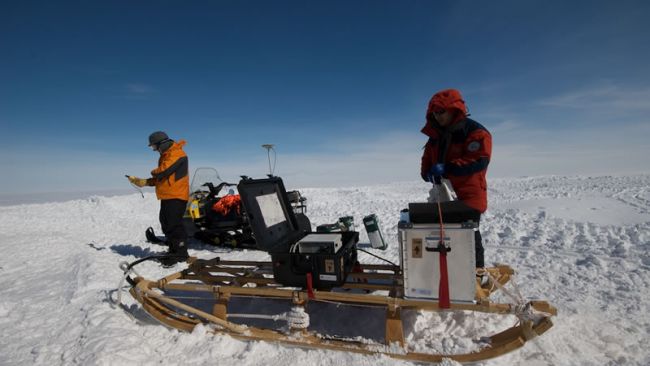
[
  {"x": 356, "y": 268},
  {"x": 443, "y": 287},
  {"x": 310, "y": 287}
]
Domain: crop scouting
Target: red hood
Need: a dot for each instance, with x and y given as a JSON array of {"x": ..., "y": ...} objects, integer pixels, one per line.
[{"x": 448, "y": 99}]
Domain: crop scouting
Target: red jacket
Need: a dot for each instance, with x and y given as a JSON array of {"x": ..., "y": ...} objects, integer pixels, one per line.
[{"x": 465, "y": 147}]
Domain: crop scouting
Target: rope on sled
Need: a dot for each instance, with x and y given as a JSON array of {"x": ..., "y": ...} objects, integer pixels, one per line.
[
  {"x": 124, "y": 266},
  {"x": 522, "y": 309},
  {"x": 525, "y": 313}
]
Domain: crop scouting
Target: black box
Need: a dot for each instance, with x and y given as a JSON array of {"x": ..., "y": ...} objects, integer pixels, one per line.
[
  {"x": 277, "y": 229},
  {"x": 452, "y": 212},
  {"x": 327, "y": 270}
]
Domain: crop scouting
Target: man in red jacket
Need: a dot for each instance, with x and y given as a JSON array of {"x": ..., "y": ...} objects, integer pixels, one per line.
[{"x": 458, "y": 149}]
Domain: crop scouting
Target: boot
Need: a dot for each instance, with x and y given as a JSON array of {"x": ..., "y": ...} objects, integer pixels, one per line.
[
  {"x": 177, "y": 253},
  {"x": 180, "y": 249}
]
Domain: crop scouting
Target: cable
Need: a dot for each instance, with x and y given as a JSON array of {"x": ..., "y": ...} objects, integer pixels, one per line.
[
  {"x": 129, "y": 267},
  {"x": 127, "y": 271},
  {"x": 376, "y": 256},
  {"x": 137, "y": 188}
]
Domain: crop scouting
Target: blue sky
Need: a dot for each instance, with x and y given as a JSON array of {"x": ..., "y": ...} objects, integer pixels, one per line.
[{"x": 340, "y": 87}]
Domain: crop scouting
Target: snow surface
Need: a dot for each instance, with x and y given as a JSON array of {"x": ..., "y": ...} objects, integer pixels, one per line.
[{"x": 582, "y": 243}]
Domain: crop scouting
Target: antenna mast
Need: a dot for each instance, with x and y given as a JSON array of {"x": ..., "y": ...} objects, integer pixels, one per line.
[{"x": 268, "y": 148}]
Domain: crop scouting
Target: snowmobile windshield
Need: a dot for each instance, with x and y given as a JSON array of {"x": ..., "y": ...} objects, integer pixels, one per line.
[{"x": 202, "y": 176}]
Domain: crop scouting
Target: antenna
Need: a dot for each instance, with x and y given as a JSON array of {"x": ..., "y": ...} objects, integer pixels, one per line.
[{"x": 268, "y": 148}]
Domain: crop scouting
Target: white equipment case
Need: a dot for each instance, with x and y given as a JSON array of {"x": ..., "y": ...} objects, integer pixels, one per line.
[
  {"x": 421, "y": 264},
  {"x": 320, "y": 243}
]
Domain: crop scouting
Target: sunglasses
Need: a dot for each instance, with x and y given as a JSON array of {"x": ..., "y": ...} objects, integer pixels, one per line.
[{"x": 439, "y": 111}]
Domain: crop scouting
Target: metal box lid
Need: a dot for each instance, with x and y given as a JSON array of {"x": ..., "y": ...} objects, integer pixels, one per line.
[
  {"x": 269, "y": 213},
  {"x": 452, "y": 212}
]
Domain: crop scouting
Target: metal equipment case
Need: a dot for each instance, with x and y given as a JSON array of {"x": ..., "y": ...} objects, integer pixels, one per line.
[
  {"x": 277, "y": 230},
  {"x": 421, "y": 264}
]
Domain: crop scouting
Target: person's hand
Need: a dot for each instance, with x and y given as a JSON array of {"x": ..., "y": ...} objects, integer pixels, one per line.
[
  {"x": 437, "y": 170},
  {"x": 435, "y": 173},
  {"x": 140, "y": 182}
]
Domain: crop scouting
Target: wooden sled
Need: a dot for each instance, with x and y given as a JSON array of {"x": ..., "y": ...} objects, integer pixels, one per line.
[{"x": 172, "y": 301}]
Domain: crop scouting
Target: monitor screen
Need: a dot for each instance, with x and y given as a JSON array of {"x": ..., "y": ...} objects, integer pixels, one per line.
[{"x": 271, "y": 208}]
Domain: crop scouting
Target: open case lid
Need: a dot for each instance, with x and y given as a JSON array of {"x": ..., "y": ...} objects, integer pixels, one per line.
[
  {"x": 452, "y": 212},
  {"x": 269, "y": 213}
]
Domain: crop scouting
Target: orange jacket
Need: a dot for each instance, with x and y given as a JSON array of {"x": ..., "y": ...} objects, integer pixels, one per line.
[
  {"x": 465, "y": 147},
  {"x": 171, "y": 177}
]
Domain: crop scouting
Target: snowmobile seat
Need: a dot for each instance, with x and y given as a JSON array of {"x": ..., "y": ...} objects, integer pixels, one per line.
[{"x": 218, "y": 221}]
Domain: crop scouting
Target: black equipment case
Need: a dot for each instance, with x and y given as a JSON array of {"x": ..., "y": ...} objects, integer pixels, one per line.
[
  {"x": 453, "y": 212},
  {"x": 278, "y": 229}
]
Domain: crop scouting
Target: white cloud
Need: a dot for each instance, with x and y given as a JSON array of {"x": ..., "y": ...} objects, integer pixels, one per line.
[
  {"x": 603, "y": 97},
  {"x": 138, "y": 91},
  {"x": 138, "y": 88},
  {"x": 602, "y": 150},
  {"x": 356, "y": 160},
  {"x": 54, "y": 169},
  {"x": 348, "y": 161},
  {"x": 506, "y": 126}
]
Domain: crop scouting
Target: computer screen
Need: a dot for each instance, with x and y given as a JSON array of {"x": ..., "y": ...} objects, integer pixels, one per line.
[{"x": 271, "y": 208}]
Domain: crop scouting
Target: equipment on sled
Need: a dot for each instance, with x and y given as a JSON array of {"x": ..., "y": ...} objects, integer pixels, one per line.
[
  {"x": 310, "y": 271},
  {"x": 371, "y": 223},
  {"x": 345, "y": 223},
  {"x": 421, "y": 247},
  {"x": 300, "y": 258}
]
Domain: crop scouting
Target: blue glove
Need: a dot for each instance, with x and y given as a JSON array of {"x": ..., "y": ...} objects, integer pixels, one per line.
[{"x": 438, "y": 170}]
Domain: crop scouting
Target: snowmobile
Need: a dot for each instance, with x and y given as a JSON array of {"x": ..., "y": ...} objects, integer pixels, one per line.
[
  {"x": 313, "y": 276},
  {"x": 217, "y": 219}
]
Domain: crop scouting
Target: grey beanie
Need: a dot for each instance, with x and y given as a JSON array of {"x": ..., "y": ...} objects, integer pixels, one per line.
[{"x": 157, "y": 138}]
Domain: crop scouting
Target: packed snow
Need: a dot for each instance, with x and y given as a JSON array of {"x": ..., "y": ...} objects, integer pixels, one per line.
[{"x": 582, "y": 243}]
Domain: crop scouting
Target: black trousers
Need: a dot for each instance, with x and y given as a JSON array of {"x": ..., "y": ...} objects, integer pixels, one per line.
[
  {"x": 171, "y": 221},
  {"x": 478, "y": 248},
  {"x": 478, "y": 239}
]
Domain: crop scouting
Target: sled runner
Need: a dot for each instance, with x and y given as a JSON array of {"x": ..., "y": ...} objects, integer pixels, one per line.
[{"x": 312, "y": 277}]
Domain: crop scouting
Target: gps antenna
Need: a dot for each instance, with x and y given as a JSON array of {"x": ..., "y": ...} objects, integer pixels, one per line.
[{"x": 268, "y": 148}]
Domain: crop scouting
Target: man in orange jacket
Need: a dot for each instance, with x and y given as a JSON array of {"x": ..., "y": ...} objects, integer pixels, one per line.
[
  {"x": 458, "y": 149},
  {"x": 172, "y": 184}
]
